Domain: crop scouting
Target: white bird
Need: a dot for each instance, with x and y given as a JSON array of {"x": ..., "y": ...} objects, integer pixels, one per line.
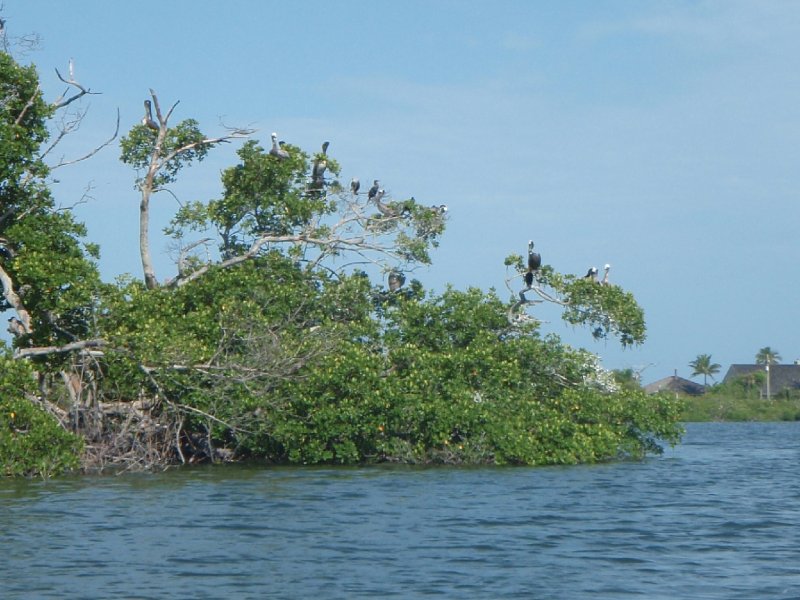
[
  {"x": 606, "y": 268},
  {"x": 277, "y": 150}
]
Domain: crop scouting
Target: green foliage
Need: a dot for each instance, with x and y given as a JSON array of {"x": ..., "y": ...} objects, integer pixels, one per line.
[
  {"x": 23, "y": 118},
  {"x": 627, "y": 379},
  {"x": 607, "y": 310},
  {"x": 727, "y": 405},
  {"x": 450, "y": 381},
  {"x": 32, "y": 443},
  {"x": 265, "y": 195},
  {"x": 59, "y": 277},
  {"x": 43, "y": 250},
  {"x": 182, "y": 145}
]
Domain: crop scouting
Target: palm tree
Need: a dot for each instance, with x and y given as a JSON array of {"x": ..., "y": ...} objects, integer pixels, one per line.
[
  {"x": 768, "y": 356},
  {"x": 702, "y": 365}
]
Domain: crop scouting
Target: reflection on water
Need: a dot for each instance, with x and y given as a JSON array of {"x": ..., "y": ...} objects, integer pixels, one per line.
[{"x": 716, "y": 517}]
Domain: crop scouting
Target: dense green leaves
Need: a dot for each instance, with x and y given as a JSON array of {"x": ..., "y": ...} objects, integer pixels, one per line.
[
  {"x": 23, "y": 117},
  {"x": 32, "y": 442},
  {"x": 605, "y": 309},
  {"x": 182, "y": 145},
  {"x": 51, "y": 276},
  {"x": 446, "y": 383}
]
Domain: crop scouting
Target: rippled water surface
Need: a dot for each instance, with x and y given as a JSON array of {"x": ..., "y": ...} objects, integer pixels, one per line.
[{"x": 717, "y": 517}]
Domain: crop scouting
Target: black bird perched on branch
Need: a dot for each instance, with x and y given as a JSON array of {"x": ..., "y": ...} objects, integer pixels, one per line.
[
  {"x": 276, "y": 148},
  {"x": 147, "y": 119},
  {"x": 373, "y": 190},
  {"x": 318, "y": 170},
  {"x": 355, "y": 185},
  {"x": 591, "y": 274},
  {"x": 534, "y": 262}
]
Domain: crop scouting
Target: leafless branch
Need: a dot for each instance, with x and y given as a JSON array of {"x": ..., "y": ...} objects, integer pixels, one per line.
[
  {"x": 88, "y": 154},
  {"x": 62, "y": 101},
  {"x": 85, "y": 197},
  {"x": 28, "y": 105},
  {"x": 185, "y": 252},
  {"x": 197, "y": 411},
  {"x": 15, "y": 301},
  {"x": 354, "y": 232},
  {"x": 45, "y": 350}
]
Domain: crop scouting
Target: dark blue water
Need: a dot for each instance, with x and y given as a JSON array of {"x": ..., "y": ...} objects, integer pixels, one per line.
[{"x": 717, "y": 517}]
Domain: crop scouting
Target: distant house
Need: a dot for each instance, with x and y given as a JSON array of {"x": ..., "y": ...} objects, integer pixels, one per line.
[
  {"x": 675, "y": 384},
  {"x": 781, "y": 377}
]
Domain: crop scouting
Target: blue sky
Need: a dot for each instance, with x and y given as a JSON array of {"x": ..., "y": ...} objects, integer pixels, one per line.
[{"x": 660, "y": 137}]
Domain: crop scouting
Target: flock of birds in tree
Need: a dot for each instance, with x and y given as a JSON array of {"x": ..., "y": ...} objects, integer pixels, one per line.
[
  {"x": 375, "y": 193},
  {"x": 535, "y": 261}
]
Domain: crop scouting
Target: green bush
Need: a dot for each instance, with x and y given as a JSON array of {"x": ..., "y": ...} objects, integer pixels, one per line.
[
  {"x": 721, "y": 406},
  {"x": 32, "y": 442}
]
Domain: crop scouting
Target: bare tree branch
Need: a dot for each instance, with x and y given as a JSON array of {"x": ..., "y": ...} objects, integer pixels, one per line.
[
  {"x": 28, "y": 105},
  {"x": 62, "y": 101},
  {"x": 88, "y": 154},
  {"x": 159, "y": 161},
  {"x": 45, "y": 350},
  {"x": 185, "y": 252},
  {"x": 15, "y": 301}
]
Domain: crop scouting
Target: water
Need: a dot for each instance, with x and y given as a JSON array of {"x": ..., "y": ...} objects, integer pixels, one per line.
[{"x": 717, "y": 517}]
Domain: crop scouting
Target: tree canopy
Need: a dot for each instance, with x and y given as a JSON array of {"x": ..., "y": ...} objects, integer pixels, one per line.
[
  {"x": 702, "y": 365},
  {"x": 768, "y": 356}
]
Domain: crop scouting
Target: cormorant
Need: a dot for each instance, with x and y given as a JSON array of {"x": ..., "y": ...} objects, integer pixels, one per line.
[
  {"x": 373, "y": 190},
  {"x": 534, "y": 262},
  {"x": 355, "y": 184},
  {"x": 591, "y": 274},
  {"x": 320, "y": 165}
]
